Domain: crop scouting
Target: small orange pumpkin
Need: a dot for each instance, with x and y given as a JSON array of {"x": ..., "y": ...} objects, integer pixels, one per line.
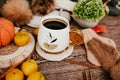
[{"x": 7, "y": 31}]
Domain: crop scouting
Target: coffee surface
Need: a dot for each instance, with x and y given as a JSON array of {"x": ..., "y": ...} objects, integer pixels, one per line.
[{"x": 55, "y": 25}]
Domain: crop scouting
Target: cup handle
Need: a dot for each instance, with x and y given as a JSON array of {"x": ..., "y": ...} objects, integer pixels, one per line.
[{"x": 60, "y": 12}]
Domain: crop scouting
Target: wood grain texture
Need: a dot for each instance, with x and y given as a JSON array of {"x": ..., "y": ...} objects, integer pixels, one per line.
[
  {"x": 19, "y": 55},
  {"x": 66, "y": 71}
]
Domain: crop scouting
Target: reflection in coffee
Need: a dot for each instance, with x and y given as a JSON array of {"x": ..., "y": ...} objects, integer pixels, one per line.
[{"x": 56, "y": 25}]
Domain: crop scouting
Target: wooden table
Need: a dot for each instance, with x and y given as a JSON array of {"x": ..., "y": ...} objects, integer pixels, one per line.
[{"x": 66, "y": 71}]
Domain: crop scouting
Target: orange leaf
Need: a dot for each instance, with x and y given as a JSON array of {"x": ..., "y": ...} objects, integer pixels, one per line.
[{"x": 99, "y": 28}]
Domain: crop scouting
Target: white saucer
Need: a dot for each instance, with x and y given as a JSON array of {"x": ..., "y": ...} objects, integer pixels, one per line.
[
  {"x": 35, "y": 21},
  {"x": 54, "y": 57},
  {"x": 65, "y": 4}
]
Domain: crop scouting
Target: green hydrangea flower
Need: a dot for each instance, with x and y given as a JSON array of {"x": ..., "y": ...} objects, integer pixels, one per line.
[{"x": 90, "y": 10}]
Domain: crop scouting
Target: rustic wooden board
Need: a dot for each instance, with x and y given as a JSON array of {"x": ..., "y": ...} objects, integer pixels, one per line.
[
  {"x": 19, "y": 55},
  {"x": 66, "y": 71},
  {"x": 78, "y": 75}
]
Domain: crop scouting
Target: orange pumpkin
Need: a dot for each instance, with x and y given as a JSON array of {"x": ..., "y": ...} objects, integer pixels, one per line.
[{"x": 7, "y": 31}]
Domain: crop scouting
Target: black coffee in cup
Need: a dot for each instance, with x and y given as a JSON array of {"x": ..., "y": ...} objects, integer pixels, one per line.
[{"x": 55, "y": 24}]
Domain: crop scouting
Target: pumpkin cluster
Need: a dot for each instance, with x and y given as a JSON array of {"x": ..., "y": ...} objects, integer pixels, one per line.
[{"x": 7, "y": 31}]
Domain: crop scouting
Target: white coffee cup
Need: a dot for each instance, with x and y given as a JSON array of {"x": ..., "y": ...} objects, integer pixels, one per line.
[{"x": 53, "y": 35}]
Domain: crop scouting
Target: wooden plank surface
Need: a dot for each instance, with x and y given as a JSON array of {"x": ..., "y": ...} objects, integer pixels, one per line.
[
  {"x": 63, "y": 70},
  {"x": 66, "y": 71}
]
